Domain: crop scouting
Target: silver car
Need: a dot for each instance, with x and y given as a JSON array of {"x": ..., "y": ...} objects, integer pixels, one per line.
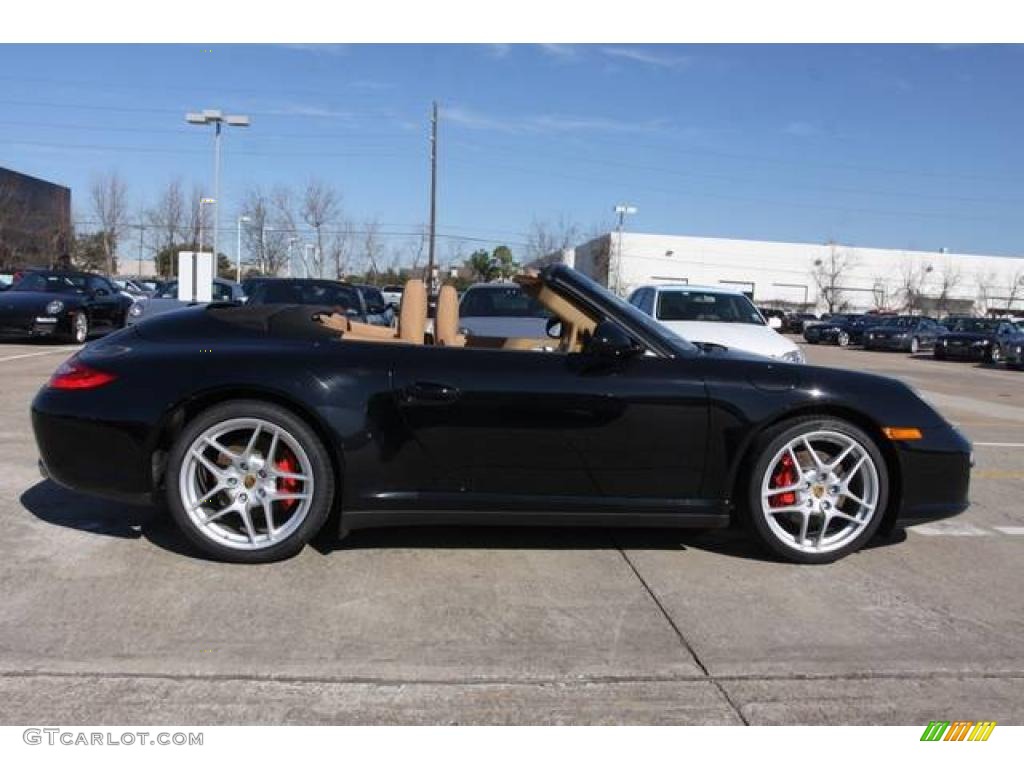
[
  {"x": 167, "y": 299},
  {"x": 502, "y": 310}
]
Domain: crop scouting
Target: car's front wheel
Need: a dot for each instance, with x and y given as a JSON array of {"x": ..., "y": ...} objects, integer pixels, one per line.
[
  {"x": 843, "y": 339},
  {"x": 249, "y": 482},
  {"x": 995, "y": 354},
  {"x": 79, "y": 327},
  {"x": 818, "y": 489},
  {"x": 915, "y": 345}
]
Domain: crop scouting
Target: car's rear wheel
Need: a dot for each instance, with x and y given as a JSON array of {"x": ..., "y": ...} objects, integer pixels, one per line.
[
  {"x": 249, "y": 482},
  {"x": 818, "y": 489}
]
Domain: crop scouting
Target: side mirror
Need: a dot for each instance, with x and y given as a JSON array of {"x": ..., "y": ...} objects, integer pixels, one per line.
[
  {"x": 553, "y": 327},
  {"x": 610, "y": 341},
  {"x": 100, "y": 292}
]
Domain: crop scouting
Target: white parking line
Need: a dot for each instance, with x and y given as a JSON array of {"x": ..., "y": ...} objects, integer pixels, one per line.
[
  {"x": 1000, "y": 445},
  {"x": 950, "y": 528},
  {"x": 37, "y": 354},
  {"x": 1011, "y": 530}
]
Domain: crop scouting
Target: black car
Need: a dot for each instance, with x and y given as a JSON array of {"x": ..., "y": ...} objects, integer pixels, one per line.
[
  {"x": 66, "y": 305},
  {"x": 841, "y": 330},
  {"x": 311, "y": 291},
  {"x": 613, "y": 420},
  {"x": 904, "y": 333},
  {"x": 374, "y": 307},
  {"x": 979, "y": 338},
  {"x": 794, "y": 323}
]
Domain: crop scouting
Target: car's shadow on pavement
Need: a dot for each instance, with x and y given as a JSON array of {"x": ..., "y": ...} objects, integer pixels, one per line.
[
  {"x": 56, "y": 505},
  {"x": 53, "y": 504}
]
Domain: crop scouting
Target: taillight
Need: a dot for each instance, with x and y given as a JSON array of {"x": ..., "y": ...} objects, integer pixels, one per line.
[{"x": 74, "y": 374}]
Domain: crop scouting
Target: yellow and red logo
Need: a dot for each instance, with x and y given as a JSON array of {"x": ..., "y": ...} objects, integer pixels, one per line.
[{"x": 958, "y": 730}]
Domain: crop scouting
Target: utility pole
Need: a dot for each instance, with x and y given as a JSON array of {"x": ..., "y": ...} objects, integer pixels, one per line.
[
  {"x": 433, "y": 200},
  {"x": 142, "y": 231},
  {"x": 615, "y": 270}
]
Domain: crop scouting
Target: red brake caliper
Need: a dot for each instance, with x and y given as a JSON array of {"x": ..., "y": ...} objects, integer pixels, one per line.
[
  {"x": 784, "y": 475},
  {"x": 287, "y": 484}
]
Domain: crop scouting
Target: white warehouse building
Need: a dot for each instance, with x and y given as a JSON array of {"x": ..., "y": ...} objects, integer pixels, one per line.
[{"x": 808, "y": 275}]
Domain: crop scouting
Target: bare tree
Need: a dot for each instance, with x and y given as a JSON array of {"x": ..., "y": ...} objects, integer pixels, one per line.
[
  {"x": 913, "y": 276},
  {"x": 262, "y": 236},
  {"x": 880, "y": 295},
  {"x": 168, "y": 218},
  {"x": 372, "y": 245},
  {"x": 321, "y": 206},
  {"x": 1014, "y": 287},
  {"x": 829, "y": 272},
  {"x": 340, "y": 245},
  {"x": 986, "y": 290},
  {"x": 109, "y": 197},
  {"x": 547, "y": 239},
  {"x": 949, "y": 280}
]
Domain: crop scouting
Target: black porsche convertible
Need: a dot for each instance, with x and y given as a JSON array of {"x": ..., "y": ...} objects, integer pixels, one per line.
[
  {"x": 256, "y": 423},
  {"x": 61, "y": 304}
]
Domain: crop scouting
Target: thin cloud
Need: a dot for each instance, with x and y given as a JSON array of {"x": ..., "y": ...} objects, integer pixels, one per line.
[
  {"x": 801, "y": 128},
  {"x": 649, "y": 57},
  {"x": 547, "y": 123},
  {"x": 321, "y": 49},
  {"x": 307, "y": 110},
  {"x": 498, "y": 50},
  {"x": 559, "y": 50}
]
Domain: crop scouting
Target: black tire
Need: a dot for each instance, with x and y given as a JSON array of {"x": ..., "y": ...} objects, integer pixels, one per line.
[
  {"x": 766, "y": 448},
  {"x": 323, "y": 480},
  {"x": 939, "y": 353}
]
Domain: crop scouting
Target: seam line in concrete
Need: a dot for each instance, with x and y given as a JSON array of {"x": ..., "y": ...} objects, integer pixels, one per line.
[{"x": 679, "y": 633}]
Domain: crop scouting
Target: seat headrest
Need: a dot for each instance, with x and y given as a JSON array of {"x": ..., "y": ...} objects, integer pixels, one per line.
[
  {"x": 412, "y": 317},
  {"x": 446, "y": 324}
]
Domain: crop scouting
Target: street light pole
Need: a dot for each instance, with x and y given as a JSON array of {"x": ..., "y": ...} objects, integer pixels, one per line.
[
  {"x": 433, "y": 199},
  {"x": 622, "y": 211},
  {"x": 238, "y": 250},
  {"x": 217, "y": 119}
]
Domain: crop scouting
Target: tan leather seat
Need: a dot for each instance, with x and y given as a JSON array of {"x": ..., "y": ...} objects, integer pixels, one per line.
[
  {"x": 446, "y": 323},
  {"x": 412, "y": 320}
]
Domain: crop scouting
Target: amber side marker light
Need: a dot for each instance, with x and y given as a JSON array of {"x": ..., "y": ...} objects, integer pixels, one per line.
[
  {"x": 902, "y": 433},
  {"x": 74, "y": 374}
]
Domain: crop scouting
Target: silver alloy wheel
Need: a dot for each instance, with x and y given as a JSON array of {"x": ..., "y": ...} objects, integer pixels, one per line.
[
  {"x": 831, "y": 491},
  {"x": 843, "y": 339},
  {"x": 235, "y": 490},
  {"x": 915, "y": 345},
  {"x": 81, "y": 327},
  {"x": 997, "y": 354}
]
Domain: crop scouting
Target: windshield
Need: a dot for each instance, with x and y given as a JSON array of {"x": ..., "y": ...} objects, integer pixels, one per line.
[
  {"x": 285, "y": 292},
  {"x": 635, "y": 319},
  {"x": 40, "y": 283},
  {"x": 220, "y": 292},
  {"x": 900, "y": 322},
  {"x": 500, "y": 301},
  {"x": 975, "y": 325},
  {"x": 706, "y": 306},
  {"x": 375, "y": 303}
]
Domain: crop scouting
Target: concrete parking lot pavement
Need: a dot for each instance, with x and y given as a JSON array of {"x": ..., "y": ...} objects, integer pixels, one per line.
[{"x": 108, "y": 616}]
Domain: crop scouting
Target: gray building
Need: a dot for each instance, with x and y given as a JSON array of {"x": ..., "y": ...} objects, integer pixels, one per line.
[{"x": 35, "y": 221}]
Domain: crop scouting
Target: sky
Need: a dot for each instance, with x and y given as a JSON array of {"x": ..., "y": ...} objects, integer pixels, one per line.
[{"x": 914, "y": 147}]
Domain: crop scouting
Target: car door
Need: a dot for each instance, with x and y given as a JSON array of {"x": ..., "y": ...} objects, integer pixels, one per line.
[
  {"x": 102, "y": 302},
  {"x": 547, "y": 429}
]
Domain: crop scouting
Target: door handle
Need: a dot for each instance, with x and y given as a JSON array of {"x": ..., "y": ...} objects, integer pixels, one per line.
[{"x": 429, "y": 393}]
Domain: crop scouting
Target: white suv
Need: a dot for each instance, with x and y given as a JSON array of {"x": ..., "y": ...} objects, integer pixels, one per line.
[{"x": 716, "y": 315}]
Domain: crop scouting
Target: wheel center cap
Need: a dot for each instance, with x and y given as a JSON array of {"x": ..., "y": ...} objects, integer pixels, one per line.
[
  {"x": 249, "y": 481},
  {"x": 818, "y": 490}
]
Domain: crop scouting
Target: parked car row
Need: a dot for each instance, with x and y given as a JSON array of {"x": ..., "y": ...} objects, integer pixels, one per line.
[
  {"x": 73, "y": 306},
  {"x": 956, "y": 338}
]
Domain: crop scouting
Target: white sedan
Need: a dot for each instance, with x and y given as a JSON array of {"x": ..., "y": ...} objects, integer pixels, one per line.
[{"x": 714, "y": 315}]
